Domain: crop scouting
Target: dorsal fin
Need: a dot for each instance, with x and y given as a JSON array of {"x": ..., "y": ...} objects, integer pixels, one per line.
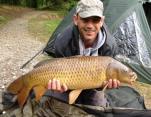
[
  {"x": 76, "y": 56},
  {"x": 41, "y": 63},
  {"x": 53, "y": 59}
]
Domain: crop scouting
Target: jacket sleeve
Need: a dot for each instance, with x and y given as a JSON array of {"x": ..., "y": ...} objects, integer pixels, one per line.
[
  {"x": 110, "y": 47},
  {"x": 57, "y": 47}
]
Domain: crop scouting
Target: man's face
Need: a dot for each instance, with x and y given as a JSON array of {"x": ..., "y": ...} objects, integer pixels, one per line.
[{"x": 88, "y": 28}]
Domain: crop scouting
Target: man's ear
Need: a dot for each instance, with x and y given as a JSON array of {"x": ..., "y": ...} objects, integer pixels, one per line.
[
  {"x": 102, "y": 20},
  {"x": 75, "y": 18}
]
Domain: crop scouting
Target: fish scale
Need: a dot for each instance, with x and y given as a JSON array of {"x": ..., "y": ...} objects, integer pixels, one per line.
[{"x": 78, "y": 73}]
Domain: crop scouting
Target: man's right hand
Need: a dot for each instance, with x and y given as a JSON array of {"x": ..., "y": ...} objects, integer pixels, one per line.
[{"x": 56, "y": 86}]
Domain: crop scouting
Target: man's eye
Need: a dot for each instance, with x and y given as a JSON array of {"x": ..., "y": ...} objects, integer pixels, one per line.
[
  {"x": 93, "y": 19},
  {"x": 85, "y": 20},
  {"x": 96, "y": 20}
]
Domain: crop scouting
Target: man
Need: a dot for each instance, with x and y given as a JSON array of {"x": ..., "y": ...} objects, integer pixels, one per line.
[{"x": 89, "y": 37}]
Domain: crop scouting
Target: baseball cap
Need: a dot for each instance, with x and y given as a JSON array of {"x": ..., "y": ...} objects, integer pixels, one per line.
[{"x": 88, "y": 8}]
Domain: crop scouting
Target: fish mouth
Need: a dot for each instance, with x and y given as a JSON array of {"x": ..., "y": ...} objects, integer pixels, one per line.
[
  {"x": 132, "y": 81},
  {"x": 133, "y": 78}
]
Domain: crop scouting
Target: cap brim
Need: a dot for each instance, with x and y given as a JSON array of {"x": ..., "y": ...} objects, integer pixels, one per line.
[{"x": 90, "y": 14}]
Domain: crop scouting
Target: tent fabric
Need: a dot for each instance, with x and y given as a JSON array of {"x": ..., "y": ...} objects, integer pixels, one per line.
[
  {"x": 147, "y": 9},
  {"x": 127, "y": 22},
  {"x": 133, "y": 37},
  {"x": 146, "y": 0},
  {"x": 123, "y": 98}
]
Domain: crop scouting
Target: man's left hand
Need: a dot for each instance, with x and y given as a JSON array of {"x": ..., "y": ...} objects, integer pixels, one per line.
[{"x": 112, "y": 83}]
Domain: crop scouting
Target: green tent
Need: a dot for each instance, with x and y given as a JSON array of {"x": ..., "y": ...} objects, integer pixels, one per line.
[{"x": 129, "y": 21}]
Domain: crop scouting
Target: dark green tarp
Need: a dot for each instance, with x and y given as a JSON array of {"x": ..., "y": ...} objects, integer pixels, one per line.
[
  {"x": 127, "y": 22},
  {"x": 123, "y": 102}
]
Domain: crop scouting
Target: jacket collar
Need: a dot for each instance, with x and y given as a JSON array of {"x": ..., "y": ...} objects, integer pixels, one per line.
[{"x": 75, "y": 41}]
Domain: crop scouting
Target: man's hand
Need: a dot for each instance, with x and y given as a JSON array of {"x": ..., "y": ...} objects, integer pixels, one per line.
[
  {"x": 112, "y": 83},
  {"x": 56, "y": 86}
]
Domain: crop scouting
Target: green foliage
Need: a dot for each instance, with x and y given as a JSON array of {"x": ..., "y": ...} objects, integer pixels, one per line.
[
  {"x": 57, "y": 2},
  {"x": 23, "y": 3},
  {"x": 71, "y": 3},
  {"x": 42, "y": 4},
  {"x": 12, "y": 2}
]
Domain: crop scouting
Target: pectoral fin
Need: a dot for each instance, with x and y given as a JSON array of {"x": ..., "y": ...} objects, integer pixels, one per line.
[
  {"x": 22, "y": 96},
  {"x": 39, "y": 91},
  {"x": 73, "y": 95}
]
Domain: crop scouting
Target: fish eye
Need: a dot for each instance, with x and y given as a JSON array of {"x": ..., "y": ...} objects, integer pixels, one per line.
[{"x": 125, "y": 71}]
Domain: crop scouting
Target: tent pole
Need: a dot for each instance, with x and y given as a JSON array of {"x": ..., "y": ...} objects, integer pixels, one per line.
[{"x": 24, "y": 65}]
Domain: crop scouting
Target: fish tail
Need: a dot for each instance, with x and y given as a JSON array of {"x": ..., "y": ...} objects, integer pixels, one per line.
[{"x": 15, "y": 86}]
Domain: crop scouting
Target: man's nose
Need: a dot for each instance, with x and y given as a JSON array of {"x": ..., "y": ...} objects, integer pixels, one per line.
[{"x": 90, "y": 23}]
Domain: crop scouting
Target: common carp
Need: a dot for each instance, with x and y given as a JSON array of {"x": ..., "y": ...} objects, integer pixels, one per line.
[{"x": 78, "y": 73}]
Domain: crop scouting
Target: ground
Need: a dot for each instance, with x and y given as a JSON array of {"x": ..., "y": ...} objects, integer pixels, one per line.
[{"x": 17, "y": 46}]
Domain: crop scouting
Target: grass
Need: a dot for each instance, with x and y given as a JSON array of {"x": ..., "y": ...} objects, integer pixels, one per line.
[
  {"x": 4, "y": 15},
  {"x": 144, "y": 89},
  {"x": 51, "y": 25},
  {"x": 44, "y": 25},
  {"x": 3, "y": 20},
  {"x": 8, "y": 13}
]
